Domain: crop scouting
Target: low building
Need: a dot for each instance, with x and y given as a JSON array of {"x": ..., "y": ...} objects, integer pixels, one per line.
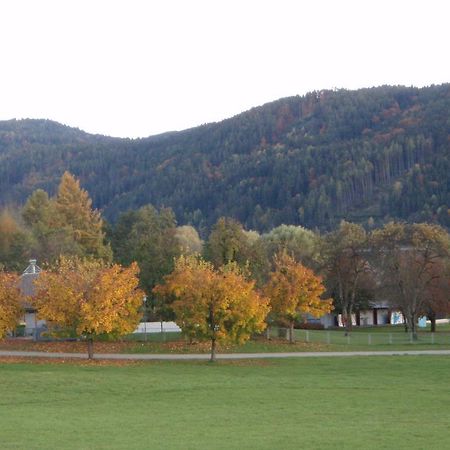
[{"x": 377, "y": 314}]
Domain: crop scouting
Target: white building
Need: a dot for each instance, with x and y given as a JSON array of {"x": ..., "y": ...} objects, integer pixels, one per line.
[{"x": 27, "y": 288}]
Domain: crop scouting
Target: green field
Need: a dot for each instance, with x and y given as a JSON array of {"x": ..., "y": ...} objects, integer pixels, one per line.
[{"x": 326, "y": 403}]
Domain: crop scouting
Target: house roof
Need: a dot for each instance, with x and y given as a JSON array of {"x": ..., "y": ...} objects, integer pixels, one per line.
[
  {"x": 380, "y": 305},
  {"x": 32, "y": 268}
]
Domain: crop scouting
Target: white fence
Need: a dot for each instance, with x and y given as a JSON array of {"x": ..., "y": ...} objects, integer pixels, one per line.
[
  {"x": 157, "y": 327},
  {"x": 360, "y": 338}
]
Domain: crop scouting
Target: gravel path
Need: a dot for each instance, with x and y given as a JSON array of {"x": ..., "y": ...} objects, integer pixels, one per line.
[{"x": 205, "y": 356}]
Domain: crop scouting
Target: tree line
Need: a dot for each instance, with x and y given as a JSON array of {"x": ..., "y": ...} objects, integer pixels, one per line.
[{"x": 234, "y": 276}]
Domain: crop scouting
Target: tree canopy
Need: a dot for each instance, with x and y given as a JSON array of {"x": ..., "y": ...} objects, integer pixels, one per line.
[
  {"x": 83, "y": 297},
  {"x": 10, "y": 302},
  {"x": 219, "y": 305},
  {"x": 409, "y": 256},
  {"x": 295, "y": 291}
]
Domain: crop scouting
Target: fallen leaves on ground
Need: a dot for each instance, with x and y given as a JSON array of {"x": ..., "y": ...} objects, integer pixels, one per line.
[
  {"x": 69, "y": 361},
  {"x": 173, "y": 347}
]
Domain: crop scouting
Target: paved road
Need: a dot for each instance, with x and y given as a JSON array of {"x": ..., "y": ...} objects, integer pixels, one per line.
[{"x": 181, "y": 357}]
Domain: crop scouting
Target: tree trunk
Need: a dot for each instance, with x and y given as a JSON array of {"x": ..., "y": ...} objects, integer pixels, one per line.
[
  {"x": 413, "y": 328},
  {"x": 213, "y": 350},
  {"x": 433, "y": 324},
  {"x": 406, "y": 323},
  {"x": 349, "y": 320},
  {"x": 291, "y": 332},
  {"x": 432, "y": 318},
  {"x": 212, "y": 324},
  {"x": 352, "y": 302},
  {"x": 90, "y": 345}
]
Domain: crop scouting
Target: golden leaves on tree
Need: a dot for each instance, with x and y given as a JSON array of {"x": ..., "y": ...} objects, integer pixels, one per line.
[
  {"x": 89, "y": 299},
  {"x": 217, "y": 304},
  {"x": 10, "y": 308}
]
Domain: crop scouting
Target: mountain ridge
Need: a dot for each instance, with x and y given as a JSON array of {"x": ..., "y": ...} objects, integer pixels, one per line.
[{"x": 375, "y": 153}]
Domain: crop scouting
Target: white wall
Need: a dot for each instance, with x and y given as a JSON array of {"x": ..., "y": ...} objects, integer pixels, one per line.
[
  {"x": 155, "y": 327},
  {"x": 366, "y": 317},
  {"x": 31, "y": 323}
]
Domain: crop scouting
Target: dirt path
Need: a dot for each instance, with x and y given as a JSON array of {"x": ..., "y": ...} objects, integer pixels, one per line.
[{"x": 193, "y": 357}]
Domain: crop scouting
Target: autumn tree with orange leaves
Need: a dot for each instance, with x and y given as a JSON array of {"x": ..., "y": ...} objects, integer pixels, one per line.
[
  {"x": 220, "y": 305},
  {"x": 88, "y": 299},
  {"x": 294, "y": 290},
  {"x": 10, "y": 308}
]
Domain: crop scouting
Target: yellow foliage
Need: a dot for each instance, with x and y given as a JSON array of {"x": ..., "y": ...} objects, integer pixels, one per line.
[
  {"x": 10, "y": 309},
  {"x": 73, "y": 207},
  {"x": 113, "y": 303},
  {"x": 214, "y": 304},
  {"x": 294, "y": 290},
  {"x": 85, "y": 297}
]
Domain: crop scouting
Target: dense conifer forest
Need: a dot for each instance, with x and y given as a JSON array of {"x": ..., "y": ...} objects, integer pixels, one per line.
[{"x": 367, "y": 156}]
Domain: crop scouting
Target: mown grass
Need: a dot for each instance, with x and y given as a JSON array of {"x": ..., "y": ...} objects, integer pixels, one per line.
[{"x": 323, "y": 403}]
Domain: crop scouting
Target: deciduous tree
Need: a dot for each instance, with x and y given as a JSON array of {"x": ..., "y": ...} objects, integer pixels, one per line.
[
  {"x": 85, "y": 298},
  {"x": 408, "y": 256},
  {"x": 147, "y": 236},
  {"x": 10, "y": 307},
  {"x": 227, "y": 243},
  {"x": 188, "y": 240},
  {"x": 220, "y": 305},
  {"x": 15, "y": 242},
  {"x": 295, "y": 291},
  {"x": 113, "y": 303},
  {"x": 297, "y": 241},
  {"x": 344, "y": 258}
]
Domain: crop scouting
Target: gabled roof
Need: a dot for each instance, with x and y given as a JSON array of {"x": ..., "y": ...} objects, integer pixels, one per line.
[
  {"x": 382, "y": 304},
  {"x": 32, "y": 268}
]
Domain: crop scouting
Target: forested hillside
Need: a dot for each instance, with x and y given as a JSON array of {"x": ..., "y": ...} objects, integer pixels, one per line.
[{"x": 367, "y": 156}]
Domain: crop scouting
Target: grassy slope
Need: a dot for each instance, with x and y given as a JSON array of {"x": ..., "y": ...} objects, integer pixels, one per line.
[{"x": 395, "y": 402}]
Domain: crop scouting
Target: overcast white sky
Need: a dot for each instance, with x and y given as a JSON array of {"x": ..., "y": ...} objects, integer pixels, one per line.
[{"x": 136, "y": 68}]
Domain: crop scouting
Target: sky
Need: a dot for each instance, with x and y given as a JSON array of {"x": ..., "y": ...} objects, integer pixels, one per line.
[{"x": 136, "y": 68}]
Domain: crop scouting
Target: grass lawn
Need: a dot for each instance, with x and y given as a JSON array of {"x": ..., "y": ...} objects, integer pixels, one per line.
[{"x": 326, "y": 403}]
